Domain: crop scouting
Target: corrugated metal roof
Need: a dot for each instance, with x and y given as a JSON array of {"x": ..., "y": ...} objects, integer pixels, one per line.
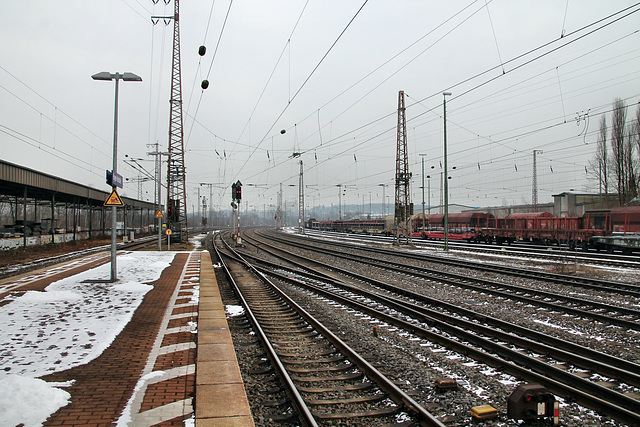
[{"x": 14, "y": 179}]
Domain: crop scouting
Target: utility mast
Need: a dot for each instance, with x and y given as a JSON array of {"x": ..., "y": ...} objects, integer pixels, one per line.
[
  {"x": 279, "y": 210},
  {"x": 534, "y": 187},
  {"x": 301, "y": 201},
  {"x": 403, "y": 209},
  {"x": 176, "y": 173},
  {"x": 204, "y": 212}
]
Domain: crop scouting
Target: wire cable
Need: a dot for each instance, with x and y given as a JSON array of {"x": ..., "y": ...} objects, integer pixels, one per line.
[{"x": 304, "y": 83}]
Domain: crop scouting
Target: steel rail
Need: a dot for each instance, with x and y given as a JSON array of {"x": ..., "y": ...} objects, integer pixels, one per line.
[
  {"x": 571, "y": 386},
  {"x": 607, "y": 365},
  {"x": 585, "y": 282},
  {"x": 491, "y": 288},
  {"x": 14, "y": 270},
  {"x": 395, "y": 393},
  {"x": 306, "y": 417},
  {"x": 529, "y": 251}
]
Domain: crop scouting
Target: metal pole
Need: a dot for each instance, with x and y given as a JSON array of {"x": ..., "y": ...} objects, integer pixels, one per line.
[
  {"x": 340, "y": 202},
  {"x": 159, "y": 193},
  {"x": 423, "y": 221},
  {"x": 446, "y": 178},
  {"x": 114, "y": 209},
  {"x": 429, "y": 192}
]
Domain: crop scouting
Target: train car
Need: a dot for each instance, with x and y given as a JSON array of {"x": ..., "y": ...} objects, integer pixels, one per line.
[
  {"x": 620, "y": 228},
  {"x": 363, "y": 226},
  {"x": 600, "y": 229},
  {"x": 540, "y": 228},
  {"x": 615, "y": 220},
  {"x": 356, "y": 226},
  {"x": 462, "y": 226},
  {"x": 320, "y": 225},
  {"x": 626, "y": 243}
]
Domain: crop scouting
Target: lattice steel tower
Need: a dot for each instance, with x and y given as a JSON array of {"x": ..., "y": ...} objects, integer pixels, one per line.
[
  {"x": 176, "y": 173},
  {"x": 301, "y": 200},
  {"x": 403, "y": 209}
]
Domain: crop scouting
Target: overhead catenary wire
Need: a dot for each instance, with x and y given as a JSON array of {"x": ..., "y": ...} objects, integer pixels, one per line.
[
  {"x": 328, "y": 142},
  {"x": 624, "y": 12},
  {"x": 305, "y": 82},
  {"x": 493, "y": 31},
  {"x": 215, "y": 51},
  {"x": 275, "y": 66}
]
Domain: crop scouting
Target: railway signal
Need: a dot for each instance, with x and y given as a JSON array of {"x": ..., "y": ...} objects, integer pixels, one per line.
[
  {"x": 238, "y": 190},
  {"x": 531, "y": 402}
]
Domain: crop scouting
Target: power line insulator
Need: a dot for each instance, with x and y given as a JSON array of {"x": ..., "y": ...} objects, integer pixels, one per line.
[
  {"x": 204, "y": 84},
  {"x": 202, "y": 50}
]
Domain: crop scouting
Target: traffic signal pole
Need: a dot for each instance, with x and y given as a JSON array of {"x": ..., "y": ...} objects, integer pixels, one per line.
[{"x": 236, "y": 197}]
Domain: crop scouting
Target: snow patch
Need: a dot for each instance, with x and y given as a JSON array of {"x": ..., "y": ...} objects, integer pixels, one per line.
[
  {"x": 30, "y": 401},
  {"x": 69, "y": 324}
]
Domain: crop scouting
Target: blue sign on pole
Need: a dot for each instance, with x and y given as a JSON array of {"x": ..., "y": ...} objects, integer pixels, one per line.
[
  {"x": 114, "y": 179},
  {"x": 117, "y": 179}
]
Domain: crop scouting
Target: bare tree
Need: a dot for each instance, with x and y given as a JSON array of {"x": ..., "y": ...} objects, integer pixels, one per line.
[
  {"x": 618, "y": 149},
  {"x": 634, "y": 136},
  {"x": 636, "y": 128},
  {"x": 601, "y": 160},
  {"x": 632, "y": 164}
]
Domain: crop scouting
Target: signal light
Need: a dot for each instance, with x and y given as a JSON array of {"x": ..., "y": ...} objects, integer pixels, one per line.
[
  {"x": 236, "y": 191},
  {"x": 531, "y": 402}
]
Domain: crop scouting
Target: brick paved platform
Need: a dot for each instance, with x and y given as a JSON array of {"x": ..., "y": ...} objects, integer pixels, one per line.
[{"x": 177, "y": 346}]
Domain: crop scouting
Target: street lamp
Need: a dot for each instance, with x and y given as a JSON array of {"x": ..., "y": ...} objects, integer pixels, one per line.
[
  {"x": 446, "y": 184},
  {"x": 383, "y": 202},
  {"x": 429, "y": 192},
  {"x": 129, "y": 77},
  {"x": 423, "y": 221}
]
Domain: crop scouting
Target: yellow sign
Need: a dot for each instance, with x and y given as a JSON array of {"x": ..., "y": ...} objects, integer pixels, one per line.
[
  {"x": 159, "y": 214},
  {"x": 113, "y": 199},
  {"x": 168, "y": 232}
]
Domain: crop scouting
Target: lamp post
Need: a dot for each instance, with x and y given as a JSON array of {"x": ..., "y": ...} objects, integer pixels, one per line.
[
  {"x": 130, "y": 77},
  {"x": 383, "y": 201},
  {"x": 446, "y": 184},
  {"x": 423, "y": 220},
  {"x": 429, "y": 191},
  {"x": 339, "y": 201}
]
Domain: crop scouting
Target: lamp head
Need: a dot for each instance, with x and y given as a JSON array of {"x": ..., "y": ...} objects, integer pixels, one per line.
[
  {"x": 105, "y": 75},
  {"x": 128, "y": 77}
]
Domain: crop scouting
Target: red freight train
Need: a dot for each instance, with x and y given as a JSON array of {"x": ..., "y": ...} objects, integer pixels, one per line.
[{"x": 601, "y": 229}]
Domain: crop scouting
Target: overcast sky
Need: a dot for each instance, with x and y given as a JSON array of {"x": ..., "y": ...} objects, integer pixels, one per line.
[{"x": 526, "y": 75}]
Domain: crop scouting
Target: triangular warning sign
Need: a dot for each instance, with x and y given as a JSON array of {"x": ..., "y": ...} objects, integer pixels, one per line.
[
  {"x": 159, "y": 214},
  {"x": 113, "y": 199}
]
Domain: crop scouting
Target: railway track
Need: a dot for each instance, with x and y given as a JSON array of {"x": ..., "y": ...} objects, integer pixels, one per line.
[
  {"x": 604, "y": 312},
  {"x": 325, "y": 379},
  {"x": 571, "y": 371},
  {"x": 551, "y": 253},
  {"x": 95, "y": 252},
  {"x": 585, "y": 282}
]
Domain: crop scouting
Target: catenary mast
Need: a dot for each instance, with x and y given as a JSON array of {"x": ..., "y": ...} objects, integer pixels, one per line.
[
  {"x": 176, "y": 173},
  {"x": 403, "y": 209}
]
